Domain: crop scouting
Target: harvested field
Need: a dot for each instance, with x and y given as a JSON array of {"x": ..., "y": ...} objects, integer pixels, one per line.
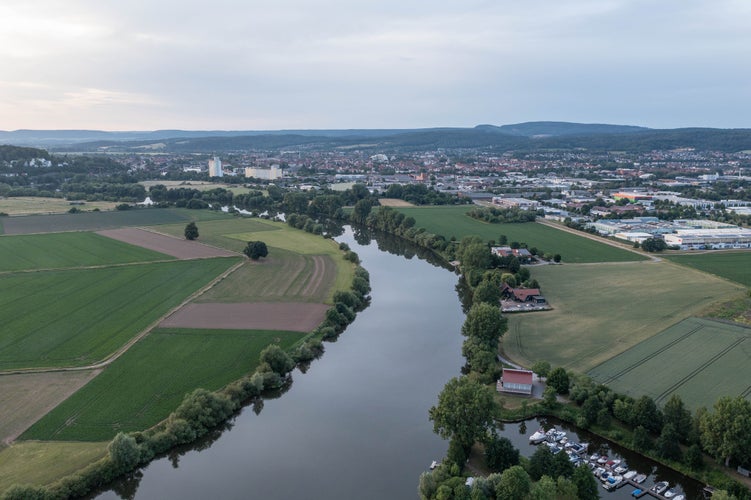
[
  {"x": 282, "y": 277},
  {"x": 26, "y": 398},
  {"x": 179, "y": 248},
  {"x": 698, "y": 359},
  {"x": 36, "y": 205},
  {"x": 290, "y": 316},
  {"x": 394, "y": 202}
]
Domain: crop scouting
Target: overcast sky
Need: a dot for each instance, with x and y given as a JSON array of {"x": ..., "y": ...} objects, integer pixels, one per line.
[{"x": 281, "y": 64}]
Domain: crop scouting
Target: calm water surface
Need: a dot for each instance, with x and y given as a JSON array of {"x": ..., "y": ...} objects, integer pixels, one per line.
[{"x": 355, "y": 425}]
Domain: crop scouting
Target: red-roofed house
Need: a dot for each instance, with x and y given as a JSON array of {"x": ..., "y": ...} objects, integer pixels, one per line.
[{"x": 516, "y": 381}]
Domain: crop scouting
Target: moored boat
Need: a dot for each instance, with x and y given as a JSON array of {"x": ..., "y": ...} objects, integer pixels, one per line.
[
  {"x": 660, "y": 487},
  {"x": 630, "y": 474},
  {"x": 538, "y": 437},
  {"x": 640, "y": 478},
  {"x": 670, "y": 493}
]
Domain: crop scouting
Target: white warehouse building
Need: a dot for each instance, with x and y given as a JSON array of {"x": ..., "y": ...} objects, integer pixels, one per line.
[
  {"x": 698, "y": 239},
  {"x": 270, "y": 174}
]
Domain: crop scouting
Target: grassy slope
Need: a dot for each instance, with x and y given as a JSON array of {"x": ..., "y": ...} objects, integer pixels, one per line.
[
  {"x": 215, "y": 232},
  {"x": 452, "y": 221},
  {"x": 698, "y": 359},
  {"x": 63, "y": 318},
  {"x": 47, "y": 251},
  {"x": 149, "y": 381},
  {"x": 602, "y": 310},
  {"x": 44, "y": 463},
  {"x": 735, "y": 266}
]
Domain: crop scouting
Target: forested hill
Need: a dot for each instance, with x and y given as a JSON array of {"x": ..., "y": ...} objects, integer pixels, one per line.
[{"x": 533, "y": 136}]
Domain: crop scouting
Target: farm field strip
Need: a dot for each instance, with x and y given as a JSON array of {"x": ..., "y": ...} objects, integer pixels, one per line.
[
  {"x": 452, "y": 221},
  {"x": 288, "y": 316},
  {"x": 78, "y": 317},
  {"x": 214, "y": 232},
  {"x": 33, "y": 205},
  {"x": 44, "y": 463},
  {"x": 594, "y": 320},
  {"x": 698, "y": 359},
  {"x": 68, "y": 250},
  {"x": 149, "y": 381},
  {"x": 735, "y": 266},
  {"x": 176, "y": 247}
]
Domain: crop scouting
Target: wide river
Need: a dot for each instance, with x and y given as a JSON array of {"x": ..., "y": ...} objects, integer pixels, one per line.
[{"x": 355, "y": 424}]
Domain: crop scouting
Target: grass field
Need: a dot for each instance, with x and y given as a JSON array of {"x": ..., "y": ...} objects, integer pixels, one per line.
[
  {"x": 60, "y": 250},
  {"x": 199, "y": 185},
  {"x": 143, "y": 386},
  {"x": 735, "y": 266},
  {"x": 296, "y": 245},
  {"x": 283, "y": 277},
  {"x": 26, "y": 205},
  {"x": 451, "y": 221},
  {"x": 77, "y": 317},
  {"x": 44, "y": 463},
  {"x": 601, "y": 310},
  {"x": 95, "y": 221},
  {"x": 700, "y": 360}
]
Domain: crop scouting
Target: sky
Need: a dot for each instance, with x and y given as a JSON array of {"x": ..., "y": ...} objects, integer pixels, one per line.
[{"x": 336, "y": 64}]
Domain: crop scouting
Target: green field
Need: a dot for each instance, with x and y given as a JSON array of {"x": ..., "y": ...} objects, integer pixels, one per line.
[
  {"x": 215, "y": 232},
  {"x": 451, "y": 221},
  {"x": 59, "y": 250},
  {"x": 148, "y": 382},
  {"x": 700, "y": 360},
  {"x": 283, "y": 277},
  {"x": 602, "y": 310},
  {"x": 44, "y": 463},
  {"x": 735, "y": 266},
  {"x": 78, "y": 317},
  {"x": 96, "y": 221}
]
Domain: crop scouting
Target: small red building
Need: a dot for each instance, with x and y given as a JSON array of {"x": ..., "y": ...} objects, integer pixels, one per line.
[{"x": 516, "y": 381}]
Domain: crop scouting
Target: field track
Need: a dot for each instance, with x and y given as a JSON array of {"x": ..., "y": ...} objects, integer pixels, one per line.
[
  {"x": 162, "y": 243},
  {"x": 289, "y": 316}
]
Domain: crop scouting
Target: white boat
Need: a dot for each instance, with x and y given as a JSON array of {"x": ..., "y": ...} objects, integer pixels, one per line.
[
  {"x": 538, "y": 437},
  {"x": 433, "y": 465},
  {"x": 670, "y": 493},
  {"x": 660, "y": 487},
  {"x": 629, "y": 474},
  {"x": 621, "y": 469},
  {"x": 594, "y": 457},
  {"x": 640, "y": 478},
  {"x": 679, "y": 497}
]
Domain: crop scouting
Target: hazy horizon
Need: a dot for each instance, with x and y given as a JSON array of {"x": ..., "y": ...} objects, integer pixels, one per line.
[{"x": 330, "y": 64}]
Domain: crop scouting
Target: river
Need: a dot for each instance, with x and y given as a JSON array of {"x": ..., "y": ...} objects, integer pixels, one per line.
[{"x": 355, "y": 424}]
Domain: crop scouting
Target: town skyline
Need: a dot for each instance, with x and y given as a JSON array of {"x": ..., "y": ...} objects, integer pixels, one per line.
[{"x": 335, "y": 65}]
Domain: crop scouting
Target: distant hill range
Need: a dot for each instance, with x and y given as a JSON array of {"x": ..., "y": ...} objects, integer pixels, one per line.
[{"x": 530, "y": 136}]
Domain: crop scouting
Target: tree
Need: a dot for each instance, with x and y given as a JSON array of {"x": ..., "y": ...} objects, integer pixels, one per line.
[
  {"x": 562, "y": 466},
  {"x": 725, "y": 432},
  {"x": 694, "y": 458},
  {"x": 646, "y": 414},
  {"x": 485, "y": 324},
  {"x": 361, "y": 211},
  {"x": 544, "y": 489},
  {"x": 191, "y": 231},
  {"x": 559, "y": 380},
  {"x": 500, "y": 453},
  {"x": 676, "y": 413},
  {"x": 541, "y": 462},
  {"x": 641, "y": 439},
  {"x": 566, "y": 489},
  {"x": 256, "y": 249},
  {"x": 466, "y": 411},
  {"x": 487, "y": 292},
  {"x": 557, "y": 258},
  {"x": 586, "y": 484},
  {"x": 541, "y": 368},
  {"x": 123, "y": 451},
  {"x": 515, "y": 484},
  {"x": 667, "y": 444},
  {"x": 279, "y": 361},
  {"x": 654, "y": 245}
]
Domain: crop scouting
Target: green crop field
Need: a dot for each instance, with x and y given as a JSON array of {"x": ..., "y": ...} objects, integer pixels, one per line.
[
  {"x": 451, "y": 221},
  {"x": 95, "y": 221},
  {"x": 700, "y": 360},
  {"x": 77, "y": 317},
  {"x": 215, "y": 232},
  {"x": 601, "y": 310},
  {"x": 58, "y": 250},
  {"x": 735, "y": 266},
  {"x": 143, "y": 386}
]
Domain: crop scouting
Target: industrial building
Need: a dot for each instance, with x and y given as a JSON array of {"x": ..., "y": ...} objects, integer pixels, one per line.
[
  {"x": 521, "y": 203},
  {"x": 272, "y": 173},
  {"x": 700, "y": 239}
]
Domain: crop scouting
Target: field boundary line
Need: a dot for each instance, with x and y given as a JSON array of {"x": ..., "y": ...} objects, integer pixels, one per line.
[
  {"x": 125, "y": 347},
  {"x": 650, "y": 356},
  {"x": 698, "y": 370}
]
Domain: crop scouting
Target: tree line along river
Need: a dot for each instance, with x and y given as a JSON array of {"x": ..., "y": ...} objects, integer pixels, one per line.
[{"x": 355, "y": 424}]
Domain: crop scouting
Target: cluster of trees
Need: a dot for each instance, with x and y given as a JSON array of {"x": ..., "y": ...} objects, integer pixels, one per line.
[
  {"x": 653, "y": 245},
  {"x": 420, "y": 194},
  {"x": 671, "y": 433},
  {"x": 256, "y": 249},
  {"x": 483, "y": 328},
  {"x": 495, "y": 215}
]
